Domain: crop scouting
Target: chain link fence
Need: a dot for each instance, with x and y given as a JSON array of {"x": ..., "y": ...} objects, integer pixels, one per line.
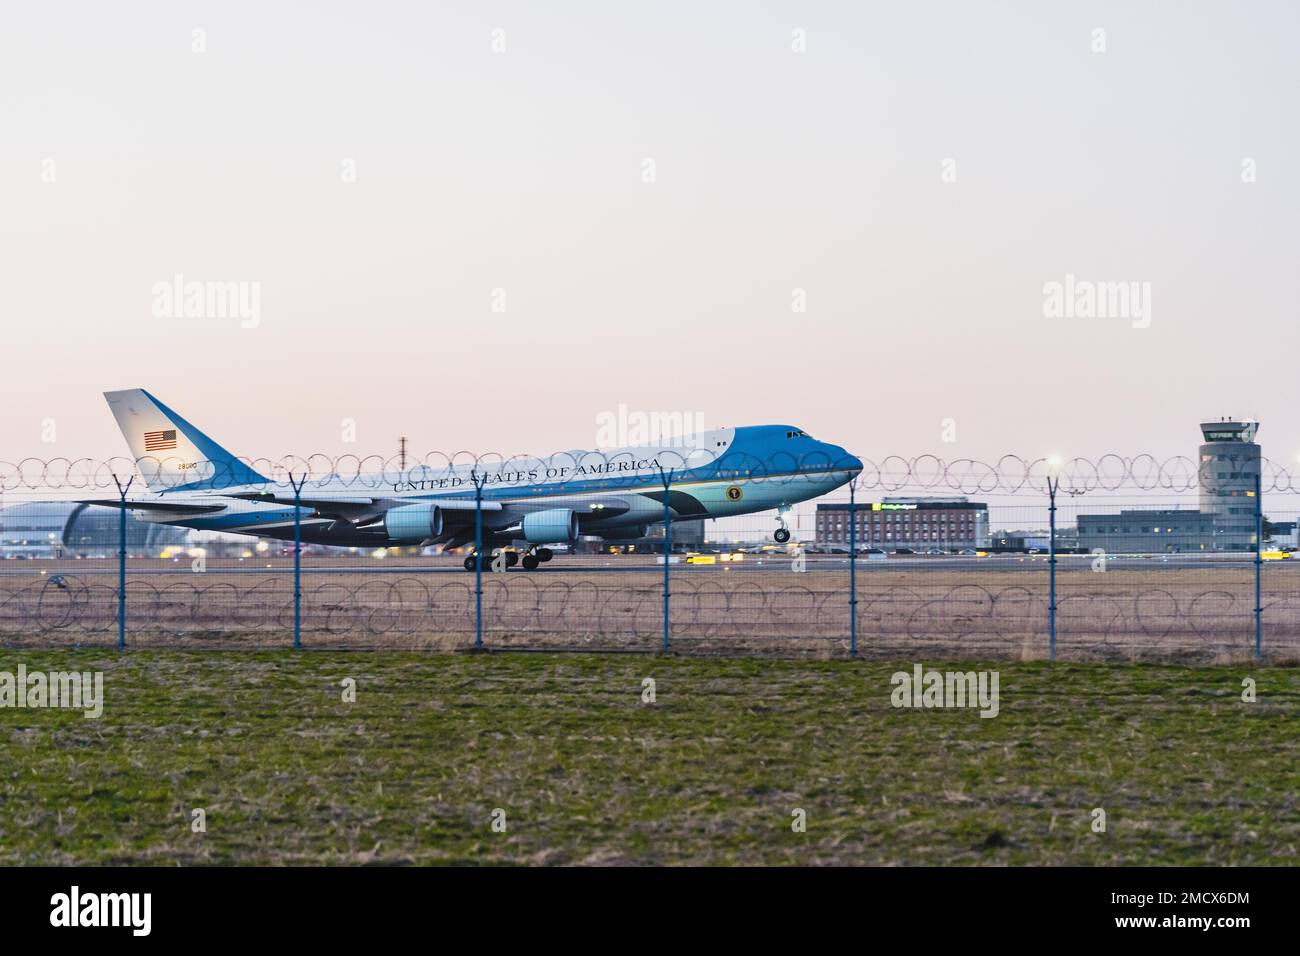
[{"x": 1021, "y": 558}]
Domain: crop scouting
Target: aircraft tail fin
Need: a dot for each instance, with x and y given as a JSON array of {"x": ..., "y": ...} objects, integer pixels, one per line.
[{"x": 170, "y": 452}]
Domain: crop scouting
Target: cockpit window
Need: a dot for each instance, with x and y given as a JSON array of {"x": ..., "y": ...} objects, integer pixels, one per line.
[{"x": 799, "y": 434}]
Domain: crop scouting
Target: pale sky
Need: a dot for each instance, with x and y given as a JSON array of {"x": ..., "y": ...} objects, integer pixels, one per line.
[{"x": 525, "y": 171}]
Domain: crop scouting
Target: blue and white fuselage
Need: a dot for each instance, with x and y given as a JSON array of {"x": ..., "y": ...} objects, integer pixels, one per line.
[{"x": 615, "y": 493}]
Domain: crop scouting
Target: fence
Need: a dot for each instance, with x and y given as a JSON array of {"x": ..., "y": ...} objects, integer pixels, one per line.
[{"x": 1113, "y": 558}]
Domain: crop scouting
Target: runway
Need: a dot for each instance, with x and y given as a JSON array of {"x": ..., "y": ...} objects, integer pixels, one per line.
[{"x": 562, "y": 565}]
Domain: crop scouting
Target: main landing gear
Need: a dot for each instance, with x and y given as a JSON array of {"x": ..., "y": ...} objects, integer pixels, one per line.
[
  {"x": 536, "y": 556},
  {"x": 512, "y": 558},
  {"x": 531, "y": 559}
]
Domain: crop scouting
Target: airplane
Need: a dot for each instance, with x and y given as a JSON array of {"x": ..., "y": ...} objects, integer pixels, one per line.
[{"x": 616, "y": 494}]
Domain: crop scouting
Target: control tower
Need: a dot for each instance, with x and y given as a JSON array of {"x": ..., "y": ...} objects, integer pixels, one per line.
[{"x": 1230, "y": 466}]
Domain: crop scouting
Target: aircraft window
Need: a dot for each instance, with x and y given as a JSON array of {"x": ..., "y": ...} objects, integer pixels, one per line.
[{"x": 796, "y": 434}]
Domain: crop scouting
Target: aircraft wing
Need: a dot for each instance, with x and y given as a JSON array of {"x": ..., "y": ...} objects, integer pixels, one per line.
[
  {"x": 172, "y": 506},
  {"x": 308, "y": 500},
  {"x": 589, "y": 511},
  {"x": 328, "y": 502},
  {"x": 606, "y": 506}
]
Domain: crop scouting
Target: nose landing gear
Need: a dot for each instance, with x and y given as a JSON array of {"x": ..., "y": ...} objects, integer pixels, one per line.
[{"x": 782, "y": 534}]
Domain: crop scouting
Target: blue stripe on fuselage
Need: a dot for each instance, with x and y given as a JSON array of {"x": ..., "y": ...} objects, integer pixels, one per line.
[{"x": 757, "y": 452}]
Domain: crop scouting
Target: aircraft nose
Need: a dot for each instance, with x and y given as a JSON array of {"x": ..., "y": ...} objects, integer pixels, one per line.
[{"x": 843, "y": 460}]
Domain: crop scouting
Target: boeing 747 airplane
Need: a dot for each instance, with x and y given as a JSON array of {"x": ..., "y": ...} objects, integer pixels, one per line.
[{"x": 195, "y": 483}]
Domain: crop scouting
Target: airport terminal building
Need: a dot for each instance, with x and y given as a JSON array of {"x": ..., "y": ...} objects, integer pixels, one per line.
[
  {"x": 919, "y": 524},
  {"x": 1148, "y": 531},
  {"x": 68, "y": 529},
  {"x": 1227, "y": 476}
]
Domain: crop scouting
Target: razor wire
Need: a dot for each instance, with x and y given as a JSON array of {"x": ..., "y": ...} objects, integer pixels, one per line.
[{"x": 1009, "y": 474}]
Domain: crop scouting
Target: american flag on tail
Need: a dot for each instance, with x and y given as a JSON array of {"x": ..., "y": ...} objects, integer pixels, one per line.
[{"x": 160, "y": 440}]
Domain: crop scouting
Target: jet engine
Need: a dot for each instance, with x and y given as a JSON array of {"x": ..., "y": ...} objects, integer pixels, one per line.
[
  {"x": 548, "y": 527},
  {"x": 413, "y": 522}
]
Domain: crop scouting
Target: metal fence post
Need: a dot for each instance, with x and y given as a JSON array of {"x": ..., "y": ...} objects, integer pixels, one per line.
[
  {"x": 853, "y": 569},
  {"x": 1259, "y": 562},
  {"x": 478, "y": 562},
  {"x": 121, "y": 560},
  {"x": 666, "y": 477},
  {"x": 1052, "y": 485},
  {"x": 297, "y": 560}
]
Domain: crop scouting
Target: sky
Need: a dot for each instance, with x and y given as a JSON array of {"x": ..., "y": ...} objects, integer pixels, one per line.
[{"x": 491, "y": 226}]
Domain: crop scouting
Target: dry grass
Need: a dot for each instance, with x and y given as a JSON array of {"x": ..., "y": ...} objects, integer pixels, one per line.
[{"x": 587, "y": 773}]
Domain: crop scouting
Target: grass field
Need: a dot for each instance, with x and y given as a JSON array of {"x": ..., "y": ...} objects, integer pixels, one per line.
[{"x": 288, "y": 773}]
